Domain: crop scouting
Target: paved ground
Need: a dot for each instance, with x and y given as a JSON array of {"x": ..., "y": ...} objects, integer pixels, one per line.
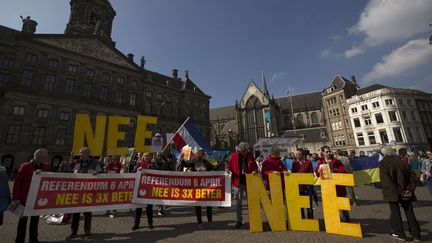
[{"x": 179, "y": 225}]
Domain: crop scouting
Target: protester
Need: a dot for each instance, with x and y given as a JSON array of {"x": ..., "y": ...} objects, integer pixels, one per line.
[
  {"x": 144, "y": 163},
  {"x": 300, "y": 165},
  {"x": 160, "y": 163},
  {"x": 20, "y": 191},
  {"x": 85, "y": 165},
  {"x": 199, "y": 163},
  {"x": 336, "y": 166},
  {"x": 5, "y": 196},
  {"x": 259, "y": 161},
  {"x": 426, "y": 168},
  {"x": 273, "y": 164},
  {"x": 239, "y": 164},
  {"x": 113, "y": 167},
  {"x": 346, "y": 162},
  {"x": 398, "y": 185}
]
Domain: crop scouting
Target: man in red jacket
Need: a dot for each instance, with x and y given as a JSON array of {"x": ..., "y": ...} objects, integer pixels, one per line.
[
  {"x": 20, "y": 191},
  {"x": 336, "y": 166},
  {"x": 239, "y": 164}
]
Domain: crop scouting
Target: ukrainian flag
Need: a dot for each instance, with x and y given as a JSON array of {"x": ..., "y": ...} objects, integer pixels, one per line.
[{"x": 365, "y": 169}]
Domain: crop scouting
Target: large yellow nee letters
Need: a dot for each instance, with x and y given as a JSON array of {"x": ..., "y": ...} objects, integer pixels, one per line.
[
  {"x": 257, "y": 195},
  {"x": 95, "y": 139}
]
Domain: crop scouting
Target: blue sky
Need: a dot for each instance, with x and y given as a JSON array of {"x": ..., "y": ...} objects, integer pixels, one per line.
[{"x": 300, "y": 44}]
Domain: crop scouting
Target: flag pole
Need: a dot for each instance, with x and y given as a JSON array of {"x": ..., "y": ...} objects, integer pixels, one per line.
[{"x": 168, "y": 142}]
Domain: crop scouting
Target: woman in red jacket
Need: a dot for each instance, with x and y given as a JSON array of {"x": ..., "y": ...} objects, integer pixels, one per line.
[
  {"x": 336, "y": 166},
  {"x": 273, "y": 164}
]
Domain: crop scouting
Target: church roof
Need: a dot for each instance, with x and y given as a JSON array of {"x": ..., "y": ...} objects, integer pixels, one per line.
[
  {"x": 225, "y": 112},
  {"x": 308, "y": 101}
]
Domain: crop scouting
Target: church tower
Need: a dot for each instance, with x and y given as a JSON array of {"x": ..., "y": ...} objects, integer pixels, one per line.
[{"x": 91, "y": 17}]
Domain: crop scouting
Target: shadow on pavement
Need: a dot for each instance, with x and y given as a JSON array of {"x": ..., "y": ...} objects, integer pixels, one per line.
[{"x": 160, "y": 232}]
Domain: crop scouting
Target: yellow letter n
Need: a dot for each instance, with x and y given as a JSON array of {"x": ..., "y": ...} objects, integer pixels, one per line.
[{"x": 274, "y": 208}]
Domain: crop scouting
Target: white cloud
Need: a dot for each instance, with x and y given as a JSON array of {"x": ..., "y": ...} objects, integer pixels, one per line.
[
  {"x": 384, "y": 21},
  {"x": 354, "y": 51},
  {"x": 409, "y": 57},
  {"x": 279, "y": 76}
]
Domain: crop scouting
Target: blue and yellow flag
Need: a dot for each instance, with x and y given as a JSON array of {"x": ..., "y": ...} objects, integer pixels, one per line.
[{"x": 365, "y": 169}]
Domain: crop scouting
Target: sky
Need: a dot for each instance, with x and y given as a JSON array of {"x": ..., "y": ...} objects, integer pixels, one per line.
[{"x": 300, "y": 45}]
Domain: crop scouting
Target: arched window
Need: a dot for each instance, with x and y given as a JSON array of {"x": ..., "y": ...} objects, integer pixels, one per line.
[
  {"x": 314, "y": 118},
  {"x": 300, "y": 121}
]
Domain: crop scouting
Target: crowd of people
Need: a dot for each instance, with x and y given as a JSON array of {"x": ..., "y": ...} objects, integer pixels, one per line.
[{"x": 398, "y": 180}]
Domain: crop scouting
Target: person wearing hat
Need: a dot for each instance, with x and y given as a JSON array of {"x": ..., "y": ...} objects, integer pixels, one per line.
[
  {"x": 199, "y": 163},
  {"x": 398, "y": 185}
]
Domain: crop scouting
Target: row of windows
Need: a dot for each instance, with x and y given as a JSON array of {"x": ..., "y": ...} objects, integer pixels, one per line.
[
  {"x": 376, "y": 104},
  {"x": 71, "y": 68},
  {"x": 385, "y": 139},
  {"x": 379, "y": 118},
  {"x": 41, "y": 113},
  {"x": 38, "y": 137}
]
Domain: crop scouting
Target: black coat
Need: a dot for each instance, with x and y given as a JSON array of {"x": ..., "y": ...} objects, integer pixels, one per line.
[{"x": 396, "y": 177}]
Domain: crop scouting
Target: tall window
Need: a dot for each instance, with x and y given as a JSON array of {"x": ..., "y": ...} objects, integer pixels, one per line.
[
  {"x": 64, "y": 116},
  {"x": 104, "y": 93},
  {"x": 367, "y": 121},
  {"x": 356, "y": 122},
  {"x": 72, "y": 68},
  {"x": 383, "y": 136},
  {"x": 38, "y": 136},
  {"x": 364, "y": 107},
  {"x": 8, "y": 62},
  {"x": 120, "y": 80},
  {"x": 18, "y": 110},
  {"x": 32, "y": 58},
  {"x": 148, "y": 107},
  {"x": 392, "y": 115},
  {"x": 413, "y": 115},
  {"x": 354, "y": 110},
  {"x": 132, "y": 99},
  {"x": 371, "y": 136},
  {"x": 106, "y": 76},
  {"x": 360, "y": 138},
  {"x": 119, "y": 96},
  {"x": 53, "y": 63},
  {"x": 87, "y": 89},
  {"x": 148, "y": 94},
  {"x": 27, "y": 78},
  {"x": 49, "y": 81},
  {"x": 90, "y": 73},
  {"x": 379, "y": 118},
  {"x": 60, "y": 136},
  {"x": 13, "y": 134},
  {"x": 398, "y": 134},
  {"x": 70, "y": 86},
  {"x": 42, "y": 113},
  {"x": 4, "y": 79},
  {"x": 375, "y": 104},
  {"x": 389, "y": 102}
]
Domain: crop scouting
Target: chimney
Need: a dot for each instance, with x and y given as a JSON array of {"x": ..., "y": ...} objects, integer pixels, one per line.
[
  {"x": 130, "y": 57},
  {"x": 187, "y": 75},
  {"x": 353, "y": 78},
  {"x": 175, "y": 73}
]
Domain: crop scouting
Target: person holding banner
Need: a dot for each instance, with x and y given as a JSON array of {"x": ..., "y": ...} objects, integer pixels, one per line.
[
  {"x": 86, "y": 165},
  {"x": 300, "y": 165},
  {"x": 144, "y": 163},
  {"x": 335, "y": 166},
  {"x": 273, "y": 164},
  {"x": 239, "y": 164},
  {"x": 113, "y": 167},
  {"x": 199, "y": 163},
  {"x": 20, "y": 191}
]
